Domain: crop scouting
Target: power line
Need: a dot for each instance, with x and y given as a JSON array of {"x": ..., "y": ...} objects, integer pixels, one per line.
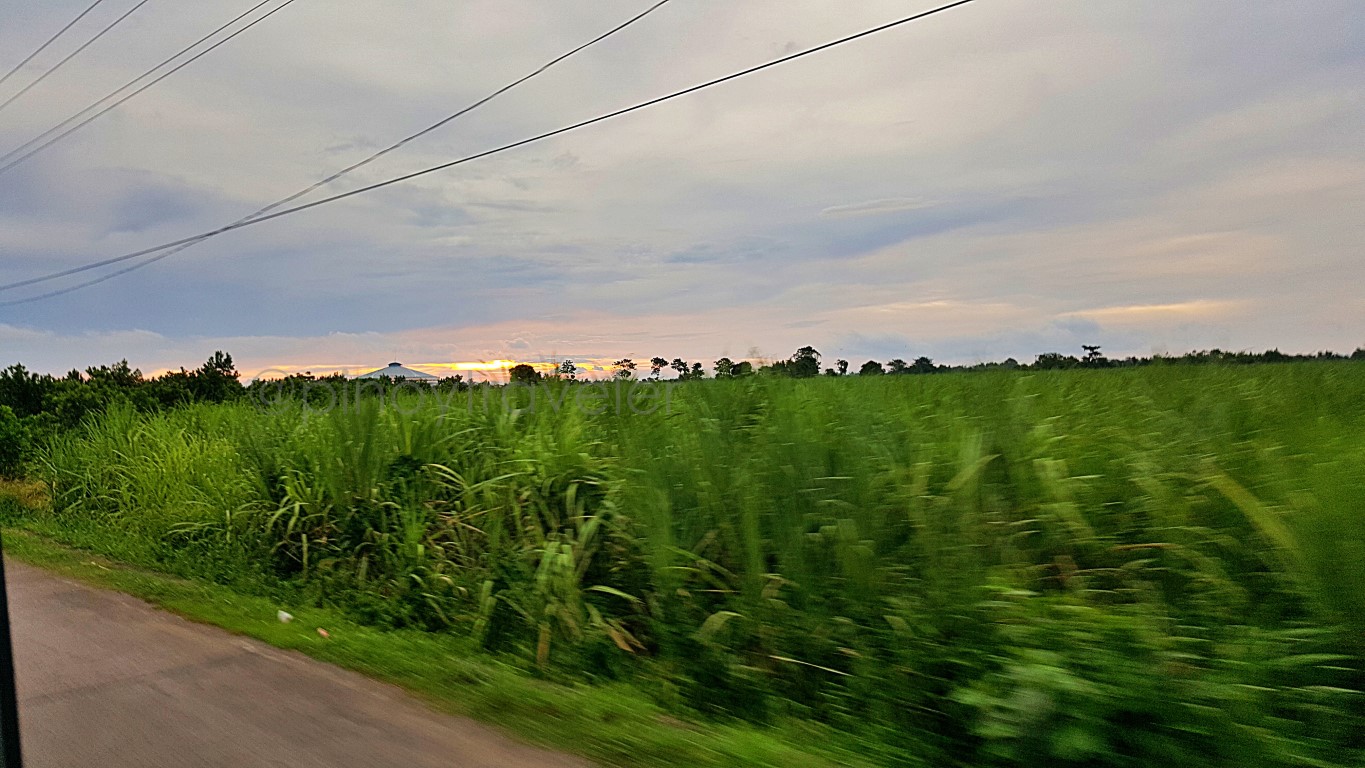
[
  {"x": 131, "y": 83},
  {"x": 50, "y": 41},
  {"x": 323, "y": 182},
  {"x": 72, "y": 55},
  {"x": 470, "y": 158},
  {"x": 498, "y": 150},
  {"x": 10, "y": 165}
]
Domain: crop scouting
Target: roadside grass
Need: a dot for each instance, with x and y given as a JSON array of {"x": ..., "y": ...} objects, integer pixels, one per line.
[
  {"x": 29, "y": 494},
  {"x": 614, "y": 725}
]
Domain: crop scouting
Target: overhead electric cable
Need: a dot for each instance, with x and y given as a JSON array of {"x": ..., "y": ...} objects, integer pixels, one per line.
[
  {"x": 397, "y": 145},
  {"x": 72, "y": 55},
  {"x": 16, "y": 151},
  {"x": 50, "y": 41},
  {"x": 477, "y": 156}
]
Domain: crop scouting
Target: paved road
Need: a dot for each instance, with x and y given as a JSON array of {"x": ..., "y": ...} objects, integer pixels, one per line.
[{"x": 107, "y": 680}]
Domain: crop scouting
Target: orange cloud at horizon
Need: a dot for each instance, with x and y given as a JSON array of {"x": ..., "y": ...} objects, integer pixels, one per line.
[
  {"x": 472, "y": 369},
  {"x": 593, "y": 339}
]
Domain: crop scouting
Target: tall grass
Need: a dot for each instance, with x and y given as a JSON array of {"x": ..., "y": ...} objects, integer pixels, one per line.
[{"x": 1083, "y": 567}]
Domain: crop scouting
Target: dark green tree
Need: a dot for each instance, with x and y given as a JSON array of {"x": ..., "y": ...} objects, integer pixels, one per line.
[
  {"x": 24, "y": 391},
  {"x": 172, "y": 388},
  {"x": 521, "y": 373},
  {"x": 804, "y": 364},
  {"x": 215, "y": 381},
  {"x": 121, "y": 376},
  {"x": 1093, "y": 357},
  {"x": 455, "y": 383},
  {"x": 871, "y": 368},
  {"x": 1056, "y": 361}
]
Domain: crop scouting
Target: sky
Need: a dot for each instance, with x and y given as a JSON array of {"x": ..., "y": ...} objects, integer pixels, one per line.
[{"x": 1004, "y": 179}]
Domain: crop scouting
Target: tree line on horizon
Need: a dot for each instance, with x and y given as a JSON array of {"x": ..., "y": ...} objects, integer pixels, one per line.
[
  {"x": 806, "y": 363},
  {"x": 34, "y": 406}
]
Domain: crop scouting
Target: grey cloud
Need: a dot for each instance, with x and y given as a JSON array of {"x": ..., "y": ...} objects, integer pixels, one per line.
[
  {"x": 857, "y": 347},
  {"x": 875, "y": 207},
  {"x": 740, "y": 250},
  {"x": 1050, "y": 158},
  {"x": 1078, "y": 326},
  {"x": 144, "y": 206}
]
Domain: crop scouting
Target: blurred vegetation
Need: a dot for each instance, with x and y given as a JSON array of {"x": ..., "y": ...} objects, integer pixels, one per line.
[{"x": 1079, "y": 567}]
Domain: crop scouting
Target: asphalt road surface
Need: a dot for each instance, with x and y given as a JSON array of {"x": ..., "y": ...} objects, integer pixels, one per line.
[{"x": 107, "y": 680}]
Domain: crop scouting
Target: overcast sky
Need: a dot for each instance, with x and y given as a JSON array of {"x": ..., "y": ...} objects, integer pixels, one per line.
[{"x": 1004, "y": 179}]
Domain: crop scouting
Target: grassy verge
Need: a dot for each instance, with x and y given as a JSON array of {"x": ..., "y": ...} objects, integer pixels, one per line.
[{"x": 613, "y": 725}]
